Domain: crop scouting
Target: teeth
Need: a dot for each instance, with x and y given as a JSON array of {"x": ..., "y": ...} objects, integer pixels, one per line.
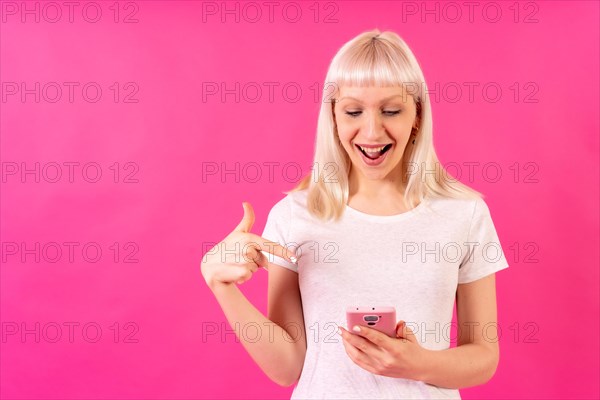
[{"x": 373, "y": 150}]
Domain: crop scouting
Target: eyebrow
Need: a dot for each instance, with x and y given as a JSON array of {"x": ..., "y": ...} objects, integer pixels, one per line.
[{"x": 382, "y": 101}]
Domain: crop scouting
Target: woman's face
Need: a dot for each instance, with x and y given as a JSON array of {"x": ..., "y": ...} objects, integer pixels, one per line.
[{"x": 369, "y": 118}]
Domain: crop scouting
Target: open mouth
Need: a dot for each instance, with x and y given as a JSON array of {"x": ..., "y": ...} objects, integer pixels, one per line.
[{"x": 374, "y": 154}]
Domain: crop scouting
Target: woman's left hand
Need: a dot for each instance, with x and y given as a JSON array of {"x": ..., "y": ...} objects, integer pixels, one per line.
[{"x": 376, "y": 352}]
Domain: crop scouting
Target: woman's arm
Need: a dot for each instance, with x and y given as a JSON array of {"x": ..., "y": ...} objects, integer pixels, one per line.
[
  {"x": 475, "y": 359},
  {"x": 279, "y": 354}
]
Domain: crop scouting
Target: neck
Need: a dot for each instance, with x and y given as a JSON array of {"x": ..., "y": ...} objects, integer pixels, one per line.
[{"x": 390, "y": 187}]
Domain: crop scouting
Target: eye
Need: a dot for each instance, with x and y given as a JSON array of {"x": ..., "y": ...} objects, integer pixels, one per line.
[{"x": 355, "y": 114}]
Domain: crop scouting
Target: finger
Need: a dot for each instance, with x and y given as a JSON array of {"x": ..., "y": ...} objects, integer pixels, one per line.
[
  {"x": 357, "y": 356},
  {"x": 252, "y": 256},
  {"x": 251, "y": 268},
  {"x": 266, "y": 261},
  {"x": 362, "y": 343},
  {"x": 247, "y": 221},
  {"x": 274, "y": 248},
  {"x": 247, "y": 276},
  {"x": 403, "y": 331},
  {"x": 399, "y": 328},
  {"x": 374, "y": 336},
  {"x": 350, "y": 343},
  {"x": 262, "y": 261}
]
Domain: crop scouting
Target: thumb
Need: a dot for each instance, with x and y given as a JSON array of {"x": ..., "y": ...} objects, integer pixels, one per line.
[
  {"x": 248, "y": 220},
  {"x": 403, "y": 331}
]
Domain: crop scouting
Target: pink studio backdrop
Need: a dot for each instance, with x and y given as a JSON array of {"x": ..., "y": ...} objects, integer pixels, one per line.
[{"x": 123, "y": 157}]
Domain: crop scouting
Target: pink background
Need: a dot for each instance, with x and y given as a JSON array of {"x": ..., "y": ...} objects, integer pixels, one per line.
[{"x": 548, "y": 310}]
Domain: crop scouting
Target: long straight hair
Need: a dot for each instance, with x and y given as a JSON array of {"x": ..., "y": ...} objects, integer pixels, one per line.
[{"x": 382, "y": 60}]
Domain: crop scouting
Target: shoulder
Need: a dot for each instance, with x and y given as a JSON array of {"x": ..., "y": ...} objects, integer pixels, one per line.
[
  {"x": 463, "y": 213},
  {"x": 467, "y": 216},
  {"x": 471, "y": 214},
  {"x": 295, "y": 200},
  {"x": 291, "y": 202}
]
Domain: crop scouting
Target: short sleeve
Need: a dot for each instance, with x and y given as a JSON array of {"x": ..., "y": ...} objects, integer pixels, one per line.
[
  {"x": 277, "y": 229},
  {"x": 484, "y": 255}
]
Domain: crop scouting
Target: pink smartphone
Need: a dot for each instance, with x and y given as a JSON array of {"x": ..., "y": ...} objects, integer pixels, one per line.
[{"x": 381, "y": 318}]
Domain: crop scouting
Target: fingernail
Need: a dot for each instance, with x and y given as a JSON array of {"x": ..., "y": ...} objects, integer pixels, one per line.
[
  {"x": 339, "y": 331},
  {"x": 356, "y": 328},
  {"x": 294, "y": 259}
]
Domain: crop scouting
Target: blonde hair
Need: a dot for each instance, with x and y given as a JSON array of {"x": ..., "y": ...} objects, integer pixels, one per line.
[{"x": 375, "y": 59}]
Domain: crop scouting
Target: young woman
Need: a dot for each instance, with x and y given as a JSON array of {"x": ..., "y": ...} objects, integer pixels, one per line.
[{"x": 379, "y": 222}]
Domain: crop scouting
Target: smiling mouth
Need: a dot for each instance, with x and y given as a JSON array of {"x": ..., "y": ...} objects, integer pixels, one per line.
[{"x": 373, "y": 155}]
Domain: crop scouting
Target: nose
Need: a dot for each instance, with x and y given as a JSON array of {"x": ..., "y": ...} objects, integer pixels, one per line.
[{"x": 374, "y": 127}]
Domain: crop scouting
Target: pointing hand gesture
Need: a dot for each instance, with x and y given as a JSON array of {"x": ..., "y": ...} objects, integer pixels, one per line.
[{"x": 238, "y": 256}]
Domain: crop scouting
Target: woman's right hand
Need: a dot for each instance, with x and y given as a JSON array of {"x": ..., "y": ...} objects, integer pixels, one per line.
[{"x": 238, "y": 256}]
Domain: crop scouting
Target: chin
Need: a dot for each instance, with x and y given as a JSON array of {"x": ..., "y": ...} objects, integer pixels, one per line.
[{"x": 373, "y": 175}]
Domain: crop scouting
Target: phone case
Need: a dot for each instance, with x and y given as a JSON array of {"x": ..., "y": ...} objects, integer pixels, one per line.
[{"x": 381, "y": 318}]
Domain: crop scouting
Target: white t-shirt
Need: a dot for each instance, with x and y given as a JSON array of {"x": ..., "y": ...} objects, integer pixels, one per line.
[{"x": 412, "y": 261}]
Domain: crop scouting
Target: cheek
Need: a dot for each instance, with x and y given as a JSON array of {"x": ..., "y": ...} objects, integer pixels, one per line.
[
  {"x": 346, "y": 133},
  {"x": 345, "y": 130},
  {"x": 342, "y": 127}
]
